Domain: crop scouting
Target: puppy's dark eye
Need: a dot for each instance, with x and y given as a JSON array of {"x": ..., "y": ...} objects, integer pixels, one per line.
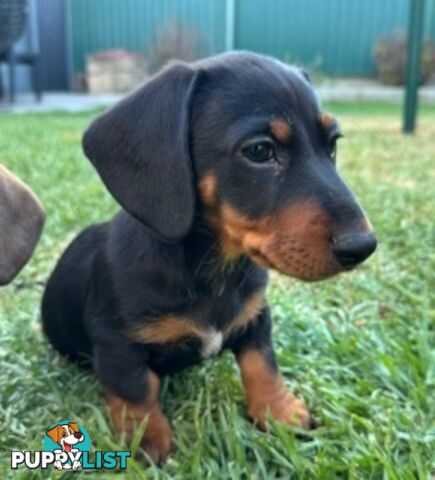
[
  {"x": 259, "y": 152},
  {"x": 333, "y": 149},
  {"x": 332, "y": 146}
]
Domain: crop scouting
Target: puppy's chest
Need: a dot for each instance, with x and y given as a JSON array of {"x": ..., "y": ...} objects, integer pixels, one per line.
[{"x": 203, "y": 328}]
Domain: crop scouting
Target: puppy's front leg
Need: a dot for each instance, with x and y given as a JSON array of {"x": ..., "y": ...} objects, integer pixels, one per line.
[
  {"x": 265, "y": 391},
  {"x": 132, "y": 395}
]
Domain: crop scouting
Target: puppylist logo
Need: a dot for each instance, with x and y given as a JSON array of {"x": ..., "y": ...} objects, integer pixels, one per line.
[{"x": 67, "y": 446}]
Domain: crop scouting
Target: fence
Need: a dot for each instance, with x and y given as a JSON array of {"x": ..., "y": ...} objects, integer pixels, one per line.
[{"x": 335, "y": 35}]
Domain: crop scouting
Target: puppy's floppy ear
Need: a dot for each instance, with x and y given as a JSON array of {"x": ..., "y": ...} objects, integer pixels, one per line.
[
  {"x": 74, "y": 426},
  {"x": 140, "y": 148},
  {"x": 55, "y": 433},
  {"x": 21, "y": 221}
]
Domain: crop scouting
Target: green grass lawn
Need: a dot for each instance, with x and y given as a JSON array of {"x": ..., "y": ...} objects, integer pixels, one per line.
[{"x": 359, "y": 348}]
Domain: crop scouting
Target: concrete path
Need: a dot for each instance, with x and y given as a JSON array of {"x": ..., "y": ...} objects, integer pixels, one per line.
[
  {"x": 59, "y": 101},
  {"x": 363, "y": 89},
  {"x": 345, "y": 90}
]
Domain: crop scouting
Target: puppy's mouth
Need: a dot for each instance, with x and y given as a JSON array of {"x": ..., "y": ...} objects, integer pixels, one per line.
[
  {"x": 309, "y": 269},
  {"x": 67, "y": 447},
  {"x": 260, "y": 258}
]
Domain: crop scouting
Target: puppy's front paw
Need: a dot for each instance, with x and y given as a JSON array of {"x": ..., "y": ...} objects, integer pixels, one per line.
[
  {"x": 157, "y": 441},
  {"x": 283, "y": 407},
  {"x": 267, "y": 395},
  {"x": 126, "y": 416},
  {"x": 287, "y": 408}
]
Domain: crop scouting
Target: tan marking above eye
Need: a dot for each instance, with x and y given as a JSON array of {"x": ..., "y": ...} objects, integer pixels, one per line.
[
  {"x": 281, "y": 129},
  {"x": 326, "y": 120}
]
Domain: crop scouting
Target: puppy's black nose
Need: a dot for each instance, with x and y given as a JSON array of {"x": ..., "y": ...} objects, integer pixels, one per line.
[
  {"x": 78, "y": 435},
  {"x": 353, "y": 248}
]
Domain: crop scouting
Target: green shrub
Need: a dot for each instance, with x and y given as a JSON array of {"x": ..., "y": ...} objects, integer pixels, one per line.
[
  {"x": 174, "y": 42},
  {"x": 390, "y": 58}
]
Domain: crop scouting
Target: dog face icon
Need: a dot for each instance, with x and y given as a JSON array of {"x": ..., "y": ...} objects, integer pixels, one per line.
[{"x": 66, "y": 435}]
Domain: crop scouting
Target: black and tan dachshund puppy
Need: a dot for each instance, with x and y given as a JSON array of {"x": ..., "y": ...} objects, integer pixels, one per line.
[{"x": 224, "y": 168}]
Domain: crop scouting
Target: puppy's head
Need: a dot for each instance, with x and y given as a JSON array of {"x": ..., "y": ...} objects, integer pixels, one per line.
[
  {"x": 240, "y": 139},
  {"x": 66, "y": 435}
]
